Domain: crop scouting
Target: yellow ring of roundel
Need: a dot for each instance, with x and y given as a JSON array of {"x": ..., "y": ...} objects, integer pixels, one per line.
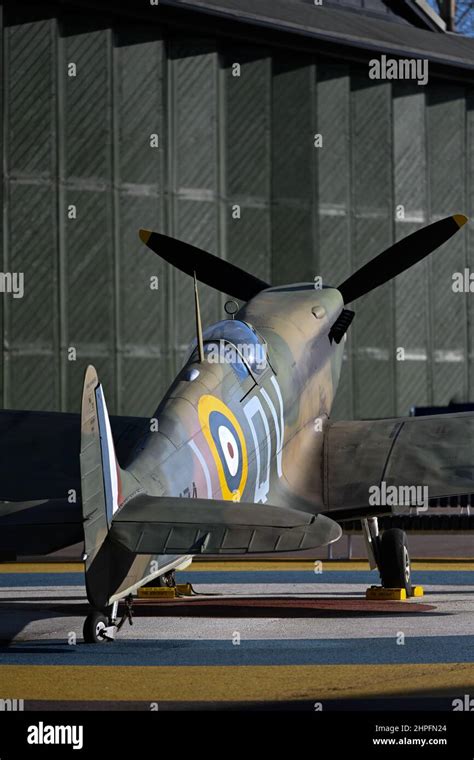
[{"x": 206, "y": 405}]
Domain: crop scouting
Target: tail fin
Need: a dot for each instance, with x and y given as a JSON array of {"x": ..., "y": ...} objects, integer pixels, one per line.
[{"x": 105, "y": 487}]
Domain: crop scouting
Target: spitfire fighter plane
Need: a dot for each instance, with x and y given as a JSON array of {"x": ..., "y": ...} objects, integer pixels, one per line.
[{"x": 243, "y": 458}]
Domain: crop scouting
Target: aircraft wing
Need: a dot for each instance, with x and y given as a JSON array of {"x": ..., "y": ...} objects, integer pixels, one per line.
[
  {"x": 39, "y": 527},
  {"x": 40, "y": 479},
  {"x": 434, "y": 451},
  {"x": 39, "y": 452}
]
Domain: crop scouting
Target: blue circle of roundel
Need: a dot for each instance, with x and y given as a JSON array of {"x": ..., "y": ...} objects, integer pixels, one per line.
[{"x": 217, "y": 421}]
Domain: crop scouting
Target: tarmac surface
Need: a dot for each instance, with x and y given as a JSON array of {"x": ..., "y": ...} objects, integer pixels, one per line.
[{"x": 257, "y": 634}]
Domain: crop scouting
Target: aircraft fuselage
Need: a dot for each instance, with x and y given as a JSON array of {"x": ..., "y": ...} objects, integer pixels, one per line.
[{"x": 247, "y": 423}]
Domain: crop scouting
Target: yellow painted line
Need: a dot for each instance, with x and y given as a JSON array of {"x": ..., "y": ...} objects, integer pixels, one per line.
[
  {"x": 42, "y": 567},
  {"x": 243, "y": 565},
  {"x": 282, "y": 565},
  {"x": 466, "y": 565},
  {"x": 218, "y": 683}
]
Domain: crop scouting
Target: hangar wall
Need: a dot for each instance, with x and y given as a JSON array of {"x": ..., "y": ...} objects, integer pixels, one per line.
[{"x": 81, "y": 145}]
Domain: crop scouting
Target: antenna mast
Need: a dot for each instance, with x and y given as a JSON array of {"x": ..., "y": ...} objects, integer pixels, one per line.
[{"x": 198, "y": 320}]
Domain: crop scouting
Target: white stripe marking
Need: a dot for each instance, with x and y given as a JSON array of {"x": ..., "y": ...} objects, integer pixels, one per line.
[{"x": 204, "y": 466}]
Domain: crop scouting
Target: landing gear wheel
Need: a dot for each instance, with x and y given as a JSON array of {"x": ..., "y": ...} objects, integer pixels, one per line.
[
  {"x": 394, "y": 560},
  {"x": 95, "y": 626}
]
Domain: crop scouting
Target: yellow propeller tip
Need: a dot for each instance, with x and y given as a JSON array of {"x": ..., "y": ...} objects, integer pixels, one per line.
[
  {"x": 460, "y": 219},
  {"x": 144, "y": 235}
]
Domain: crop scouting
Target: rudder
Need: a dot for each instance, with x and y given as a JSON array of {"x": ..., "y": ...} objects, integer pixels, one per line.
[{"x": 105, "y": 487}]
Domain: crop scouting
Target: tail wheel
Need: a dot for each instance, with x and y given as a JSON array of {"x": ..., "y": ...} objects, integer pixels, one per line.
[
  {"x": 394, "y": 560},
  {"x": 94, "y": 628},
  {"x": 167, "y": 579}
]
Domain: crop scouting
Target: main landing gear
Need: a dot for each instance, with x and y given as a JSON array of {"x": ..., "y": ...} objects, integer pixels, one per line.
[
  {"x": 394, "y": 560},
  {"x": 389, "y": 553},
  {"x": 100, "y": 627}
]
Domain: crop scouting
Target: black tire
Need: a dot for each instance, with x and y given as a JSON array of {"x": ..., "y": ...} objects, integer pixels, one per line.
[
  {"x": 94, "y": 623},
  {"x": 394, "y": 560}
]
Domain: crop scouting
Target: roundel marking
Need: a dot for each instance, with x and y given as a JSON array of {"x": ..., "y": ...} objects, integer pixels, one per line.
[{"x": 226, "y": 441}]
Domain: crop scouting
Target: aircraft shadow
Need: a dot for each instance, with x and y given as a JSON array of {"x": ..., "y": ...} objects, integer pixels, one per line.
[
  {"x": 280, "y": 607},
  {"x": 17, "y": 615}
]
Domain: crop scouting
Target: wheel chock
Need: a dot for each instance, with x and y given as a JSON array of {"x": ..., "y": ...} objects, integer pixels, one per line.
[
  {"x": 166, "y": 592},
  {"x": 184, "y": 589},
  {"x": 157, "y": 592},
  {"x": 381, "y": 593},
  {"x": 395, "y": 594}
]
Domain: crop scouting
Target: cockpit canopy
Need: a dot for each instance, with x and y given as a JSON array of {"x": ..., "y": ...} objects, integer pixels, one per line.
[{"x": 236, "y": 343}]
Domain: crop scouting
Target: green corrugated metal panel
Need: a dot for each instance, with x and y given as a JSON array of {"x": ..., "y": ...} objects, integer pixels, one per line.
[
  {"x": 142, "y": 311},
  {"x": 90, "y": 282},
  {"x": 144, "y": 382},
  {"x": 143, "y": 320},
  {"x": 247, "y": 123},
  {"x": 30, "y": 98},
  {"x": 30, "y": 321},
  {"x": 334, "y": 197},
  {"x": 293, "y": 158},
  {"x": 446, "y": 162},
  {"x": 334, "y": 177},
  {"x": 248, "y": 241},
  {"x": 305, "y": 211},
  {"x": 87, "y": 103},
  {"x": 292, "y": 244},
  {"x": 89, "y": 297},
  {"x": 372, "y": 341},
  {"x": 2, "y": 189},
  {"x": 139, "y": 92},
  {"x": 411, "y": 334},
  {"x": 196, "y": 222},
  {"x": 470, "y": 232},
  {"x": 409, "y": 150},
  {"x": 247, "y": 165},
  {"x": 372, "y": 233},
  {"x": 193, "y": 142},
  {"x": 88, "y": 293},
  {"x": 446, "y": 145},
  {"x": 411, "y": 293},
  {"x": 292, "y": 129},
  {"x": 142, "y": 317},
  {"x": 33, "y": 381},
  {"x": 195, "y": 119}
]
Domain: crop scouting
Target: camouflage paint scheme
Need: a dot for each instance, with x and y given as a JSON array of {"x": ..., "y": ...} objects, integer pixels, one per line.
[{"x": 271, "y": 416}]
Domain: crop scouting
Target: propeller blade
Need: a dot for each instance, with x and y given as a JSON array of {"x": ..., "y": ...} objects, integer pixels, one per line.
[
  {"x": 211, "y": 270},
  {"x": 399, "y": 257}
]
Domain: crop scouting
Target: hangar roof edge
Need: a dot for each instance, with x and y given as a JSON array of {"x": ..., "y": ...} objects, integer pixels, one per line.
[
  {"x": 328, "y": 32},
  {"x": 340, "y": 26}
]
